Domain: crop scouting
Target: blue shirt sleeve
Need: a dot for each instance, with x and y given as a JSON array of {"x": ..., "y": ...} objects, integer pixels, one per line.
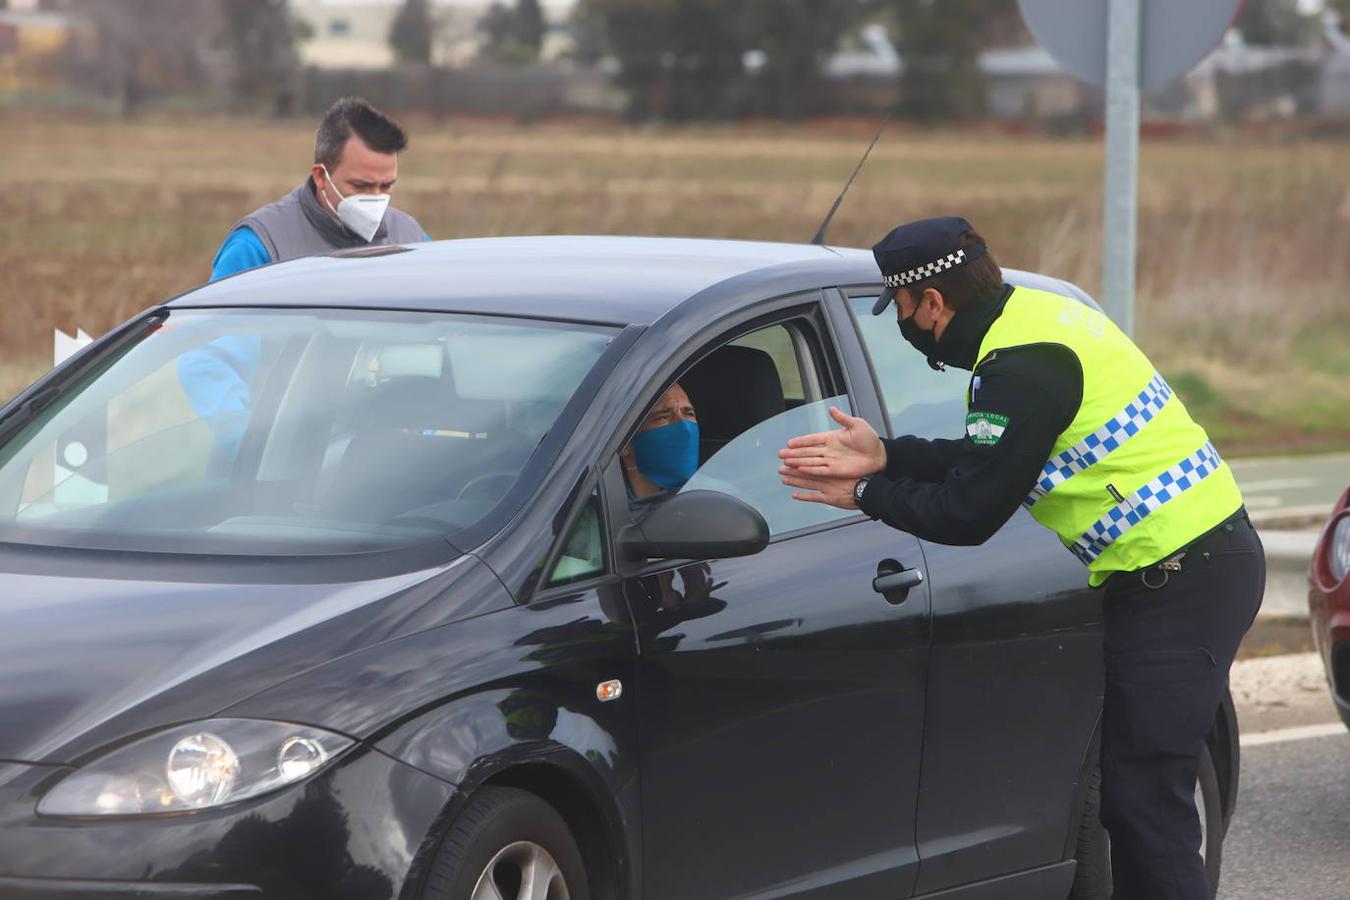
[{"x": 242, "y": 250}]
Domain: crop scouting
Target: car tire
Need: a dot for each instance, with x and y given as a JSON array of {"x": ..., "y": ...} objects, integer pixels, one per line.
[
  {"x": 506, "y": 835},
  {"x": 1210, "y": 803},
  {"x": 1092, "y": 876}
]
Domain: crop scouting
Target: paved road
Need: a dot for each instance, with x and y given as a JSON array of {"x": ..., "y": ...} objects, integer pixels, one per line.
[
  {"x": 1292, "y": 486},
  {"x": 1291, "y": 837}
]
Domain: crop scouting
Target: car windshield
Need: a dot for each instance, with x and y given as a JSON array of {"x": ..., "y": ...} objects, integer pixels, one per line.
[{"x": 281, "y": 432}]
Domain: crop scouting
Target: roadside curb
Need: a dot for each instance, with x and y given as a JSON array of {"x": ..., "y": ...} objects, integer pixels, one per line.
[{"x": 1288, "y": 556}]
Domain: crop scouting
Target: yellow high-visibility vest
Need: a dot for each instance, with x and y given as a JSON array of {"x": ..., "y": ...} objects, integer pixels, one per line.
[{"x": 1133, "y": 478}]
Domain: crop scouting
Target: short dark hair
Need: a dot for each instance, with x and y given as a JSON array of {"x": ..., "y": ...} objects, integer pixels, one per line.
[
  {"x": 353, "y": 115},
  {"x": 964, "y": 285}
]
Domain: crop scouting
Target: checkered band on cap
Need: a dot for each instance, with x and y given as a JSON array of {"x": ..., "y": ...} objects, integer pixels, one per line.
[
  {"x": 1145, "y": 501},
  {"x": 928, "y": 271}
]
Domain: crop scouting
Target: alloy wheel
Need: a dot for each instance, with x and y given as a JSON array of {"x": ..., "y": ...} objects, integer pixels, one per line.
[
  {"x": 521, "y": 871},
  {"x": 1204, "y": 825}
]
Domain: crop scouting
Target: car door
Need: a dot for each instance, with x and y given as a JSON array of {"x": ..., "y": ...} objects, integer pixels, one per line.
[
  {"x": 781, "y": 695},
  {"x": 1015, "y": 675}
]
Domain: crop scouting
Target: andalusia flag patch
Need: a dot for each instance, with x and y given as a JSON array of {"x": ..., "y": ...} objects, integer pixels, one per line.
[{"x": 985, "y": 428}]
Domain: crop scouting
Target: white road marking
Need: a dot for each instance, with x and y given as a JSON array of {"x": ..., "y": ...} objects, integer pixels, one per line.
[
  {"x": 1294, "y": 512},
  {"x": 1297, "y": 733},
  {"x": 1254, "y": 502},
  {"x": 1276, "y": 484}
]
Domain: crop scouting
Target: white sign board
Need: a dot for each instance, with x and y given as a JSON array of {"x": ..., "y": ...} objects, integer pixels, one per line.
[
  {"x": 67, "y": 346},
  {"x": 1173, "y": 35}
]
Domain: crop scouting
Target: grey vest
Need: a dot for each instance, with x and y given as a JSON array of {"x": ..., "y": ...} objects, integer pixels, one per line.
[{"x": 296, "y": 225}]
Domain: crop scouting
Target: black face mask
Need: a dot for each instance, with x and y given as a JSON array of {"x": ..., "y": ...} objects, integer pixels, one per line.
[{"x": 923, "y": 341}]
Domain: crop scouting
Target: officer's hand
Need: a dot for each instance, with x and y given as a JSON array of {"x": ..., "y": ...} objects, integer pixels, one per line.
[
  {"x": 832, "y": 491},
  {"x": 850, "y": 452}
]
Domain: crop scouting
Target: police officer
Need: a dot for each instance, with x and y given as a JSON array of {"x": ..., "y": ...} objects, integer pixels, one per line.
[{"x": 1068, "y": 418}]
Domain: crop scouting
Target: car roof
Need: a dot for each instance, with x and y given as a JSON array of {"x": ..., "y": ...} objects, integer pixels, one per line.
[
  {"x": 615, "y": 280},
  {"x": 603, "y": 280}
]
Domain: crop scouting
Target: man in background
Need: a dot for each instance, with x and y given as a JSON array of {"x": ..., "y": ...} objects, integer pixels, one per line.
[{"x": 342, "y": 204}]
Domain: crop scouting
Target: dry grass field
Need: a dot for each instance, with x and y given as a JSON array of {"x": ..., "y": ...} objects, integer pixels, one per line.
[{"x": 1244, "y": 262}]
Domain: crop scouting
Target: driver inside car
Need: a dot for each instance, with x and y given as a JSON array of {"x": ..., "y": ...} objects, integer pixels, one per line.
[
  {"x": 663, "y": 455},
  {"x": 660, "y": 458}
]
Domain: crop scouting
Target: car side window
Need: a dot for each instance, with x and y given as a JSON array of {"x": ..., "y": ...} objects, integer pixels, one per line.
[
  {"x": 919, "y": 400},
  {"x": 583, "y": 550},
  {"x": 778, "y": 342},
  {"x": 747, "y": 468},
  {"x": 748, "y": 397}
]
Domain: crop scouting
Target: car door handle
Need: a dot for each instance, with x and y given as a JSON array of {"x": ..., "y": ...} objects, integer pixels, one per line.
[{"x": 897, "y": 581}]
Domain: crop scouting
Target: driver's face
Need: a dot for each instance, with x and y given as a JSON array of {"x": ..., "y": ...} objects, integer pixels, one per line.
[{"x": 674, "y": 406}]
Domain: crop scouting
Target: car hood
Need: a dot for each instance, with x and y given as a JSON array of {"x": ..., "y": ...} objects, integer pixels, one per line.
[{"x": 88, "y": 661}]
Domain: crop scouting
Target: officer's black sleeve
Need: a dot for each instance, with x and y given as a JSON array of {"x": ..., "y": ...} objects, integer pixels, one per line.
[
  {"x": 920, "y": 459},
  {"x": 1028, "y": 397}
]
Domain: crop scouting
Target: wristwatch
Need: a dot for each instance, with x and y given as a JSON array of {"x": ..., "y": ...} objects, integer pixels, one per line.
[{"x": 860, "y": 487}]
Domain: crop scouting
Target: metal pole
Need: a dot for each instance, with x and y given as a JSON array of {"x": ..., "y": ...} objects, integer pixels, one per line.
[{"x": 1123, "y": 20}]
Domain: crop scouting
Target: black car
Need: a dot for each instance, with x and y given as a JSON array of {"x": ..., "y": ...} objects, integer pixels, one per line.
[{"x": 325, "y": 581}]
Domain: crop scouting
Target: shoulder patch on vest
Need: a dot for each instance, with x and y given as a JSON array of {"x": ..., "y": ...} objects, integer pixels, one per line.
[{"x": 985, "y": 428}]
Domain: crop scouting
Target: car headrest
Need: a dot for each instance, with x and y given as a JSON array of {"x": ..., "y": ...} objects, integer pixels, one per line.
[
  {"x": 732, "y": 389},
  {"x": 411, "y": 401}
]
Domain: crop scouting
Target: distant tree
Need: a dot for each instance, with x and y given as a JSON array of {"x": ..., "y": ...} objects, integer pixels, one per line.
[
  {"x": 796, "y": 38},
  {"x": 513, "y": 35},
  {"x": 146, "y": 47},
  {"x": 677, "y": 58},
  {"x": 940, "y": 46},
  {"x": 1274, "y": 22},
  {"x": 259, "y": 38},
  {"x": 1341, "y": 9},
  {"x": 243, "y": 50},
  {"x": 410, "y": 33},
  {"x": 529, "y": 25}
]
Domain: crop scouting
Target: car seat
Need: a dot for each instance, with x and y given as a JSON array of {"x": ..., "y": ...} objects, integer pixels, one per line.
[
  {"x": 732, "y": 389},
  {"x": 419, "y": 447}
]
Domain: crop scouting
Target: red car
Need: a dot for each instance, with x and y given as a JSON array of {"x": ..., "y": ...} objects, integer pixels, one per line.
[{"x": 1329, "y": 603}]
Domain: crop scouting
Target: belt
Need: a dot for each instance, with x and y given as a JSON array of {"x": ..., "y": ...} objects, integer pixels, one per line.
[{"x": 1157, "y": 575}]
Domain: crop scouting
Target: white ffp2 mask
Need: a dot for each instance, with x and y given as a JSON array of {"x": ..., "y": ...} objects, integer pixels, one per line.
[{"x": 362, "y": 213}]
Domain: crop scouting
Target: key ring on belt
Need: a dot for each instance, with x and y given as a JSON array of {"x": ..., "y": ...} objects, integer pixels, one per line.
[
  {"x": 1143, "y": 576},
  {"x": 1166, "y": 567}
]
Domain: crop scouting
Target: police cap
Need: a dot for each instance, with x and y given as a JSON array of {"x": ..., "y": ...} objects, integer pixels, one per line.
[{"x": 918, "y": 250}]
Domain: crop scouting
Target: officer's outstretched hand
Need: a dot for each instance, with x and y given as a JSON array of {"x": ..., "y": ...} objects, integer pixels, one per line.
[{"x": 849, "y": 452}]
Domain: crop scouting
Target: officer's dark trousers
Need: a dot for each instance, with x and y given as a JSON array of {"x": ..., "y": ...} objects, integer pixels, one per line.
[{"x": 1168, "y": 651}]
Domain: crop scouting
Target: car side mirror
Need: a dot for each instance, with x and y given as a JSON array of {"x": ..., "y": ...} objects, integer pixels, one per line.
[{"x": 696, "y": 525}]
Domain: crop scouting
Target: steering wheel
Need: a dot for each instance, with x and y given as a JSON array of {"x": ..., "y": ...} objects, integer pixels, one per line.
[{"x": 506, "y": 476}]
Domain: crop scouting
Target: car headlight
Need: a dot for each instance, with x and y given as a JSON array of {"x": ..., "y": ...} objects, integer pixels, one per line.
[
  {"x": 1340, "y": 549},
  {"x": 194, "y": 766}
]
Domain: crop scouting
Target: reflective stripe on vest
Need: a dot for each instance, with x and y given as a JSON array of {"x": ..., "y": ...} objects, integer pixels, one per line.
[
  {"x": 1137, "y": 507},
  {"x": 1124, "y": 485},
  {"x": 1087, "y": 452}
]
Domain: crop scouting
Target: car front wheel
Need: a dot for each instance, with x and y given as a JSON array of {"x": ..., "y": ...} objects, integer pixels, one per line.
[
  {"x": 507, "y": 844},
  {"x": 1092, "y": 877}
]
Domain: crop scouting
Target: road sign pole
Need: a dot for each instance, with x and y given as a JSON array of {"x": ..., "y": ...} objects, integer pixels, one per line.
[{"x": 1120, "y": 220}]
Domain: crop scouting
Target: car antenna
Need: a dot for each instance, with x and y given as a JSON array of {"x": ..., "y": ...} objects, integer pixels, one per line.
[{"x": 819, "y": 239}]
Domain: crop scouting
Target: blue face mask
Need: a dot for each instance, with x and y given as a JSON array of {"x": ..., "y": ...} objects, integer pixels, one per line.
[{"x": 668, "y": 455}]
